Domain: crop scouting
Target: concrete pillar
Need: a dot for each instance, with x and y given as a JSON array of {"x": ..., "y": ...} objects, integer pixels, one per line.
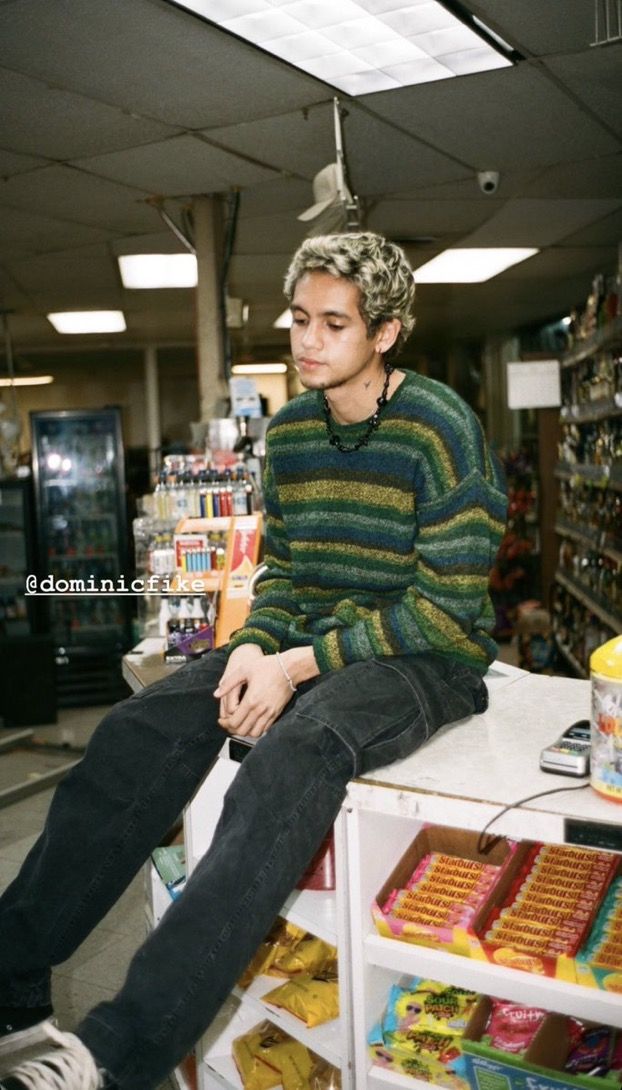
[
  {"x": 152, "y": 408},
  {"x": 502, "y": 423},
  {"x": 208, "y": 231}
]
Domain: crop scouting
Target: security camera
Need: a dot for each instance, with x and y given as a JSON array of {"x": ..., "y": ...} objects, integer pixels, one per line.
[{"x": 488, "y": 181}]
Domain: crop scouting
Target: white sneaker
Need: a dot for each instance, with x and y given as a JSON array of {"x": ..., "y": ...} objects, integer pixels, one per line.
[
  {"x": 67, "y": 1066},
  {"x": 22, "y": 1043}
]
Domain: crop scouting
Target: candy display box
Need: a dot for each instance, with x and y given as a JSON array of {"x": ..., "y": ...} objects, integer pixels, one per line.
[
  {"x": 539, "y": 1068},
  {"x": 463, "y": 844},
  {"x": 562, "y": 966},
  {"x": 607, "y": 930}
]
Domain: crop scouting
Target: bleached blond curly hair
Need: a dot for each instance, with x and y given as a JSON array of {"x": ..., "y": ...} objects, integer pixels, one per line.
[{"x": 378, "y": 268}]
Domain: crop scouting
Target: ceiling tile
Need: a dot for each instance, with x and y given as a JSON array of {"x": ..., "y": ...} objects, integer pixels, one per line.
[
  {"x": 67, "y": 274},
  {"x": 596, "y": 178},
  {"x": 269, "y": 234},
  {"x": 538, "y": 222},
  {"x": 29, "y": 232},
  {"x": 574, "y": 261},
  {"x": 556, "y": 26},
  {"x": 606, "y": 232},
  {"x": 43, "y": 120},
  {"x": 151, "y": 58},
  {"x": 181, "y": 165},
  {"x": 380, "y": 158},
  {"x": 65, "y": 193},
  {"x": 11, "y": 163},
  {"x": 404, "y": 219},
  {"x": 596, "y": 78},
  {"x": 280, "y": 193},
  {"x": 494, "y": 120}
]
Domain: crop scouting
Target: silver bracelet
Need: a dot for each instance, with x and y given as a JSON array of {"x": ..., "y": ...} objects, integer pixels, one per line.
[{"x": 285, "y": 674}]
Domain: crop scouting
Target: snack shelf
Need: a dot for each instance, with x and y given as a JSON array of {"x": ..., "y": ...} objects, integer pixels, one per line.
[
  {"x": 613, "y": 620},
  {"x": 324, "y": 1039},
  {"x": 380, "y": 817},
  {"x": 482, "y": 976},
  {"x": 315, "y": 910},
  {"x": 378, "y": 1078},
  {"x": 216, "y": 1066}
]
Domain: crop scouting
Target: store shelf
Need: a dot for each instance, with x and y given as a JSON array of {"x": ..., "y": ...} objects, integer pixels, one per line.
[
  {"x": 604, "y": 337},
  {"x": 483, "y": 976},
  {"x": 582, "y": 594},
  {"x": 324, "y": 1040},
  {"x": 588, "y": 537},
  {"x": 315, "y": 911},
  {"x": 602, "y": 409},
  {"x": 378, "y": 1078},
  {"x": 600, "y": 476},
  {"x": 570, "y": 658},
  {"x": 198, "y": 582},
  {"x": 222, "y": 1069}
]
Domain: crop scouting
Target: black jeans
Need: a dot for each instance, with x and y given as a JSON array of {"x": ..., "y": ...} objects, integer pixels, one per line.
[{"x": 143, "y": 765}]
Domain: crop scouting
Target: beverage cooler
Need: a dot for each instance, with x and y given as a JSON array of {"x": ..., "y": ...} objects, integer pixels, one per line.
[
  {"x": 17, "y": 559},
  {"x": 80, "y": 508}
]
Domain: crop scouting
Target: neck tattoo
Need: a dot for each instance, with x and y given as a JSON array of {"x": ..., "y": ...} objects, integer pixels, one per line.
[{"x": 372, "y": 423}]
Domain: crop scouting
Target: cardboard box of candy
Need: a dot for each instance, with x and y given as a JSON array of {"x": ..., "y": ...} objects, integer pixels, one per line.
[
  {"x": 542, "y": 1063},
  {"x": 441, "y": 888},
  {"x": 540, "y": 915},
  {"x": 599, "y": 961}
]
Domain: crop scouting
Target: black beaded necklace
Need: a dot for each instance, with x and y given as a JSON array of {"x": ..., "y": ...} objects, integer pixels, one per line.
[{"x": 372, "y": 423}]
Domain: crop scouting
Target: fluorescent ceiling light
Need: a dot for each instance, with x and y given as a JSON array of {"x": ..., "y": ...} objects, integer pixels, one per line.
[
  {"x": 259, "y": 368},
  {"x": 284, "y": 320},
  {"x": 362, "y": 46},
  {"x": 28, "y": 380},
  {"x": 471, "y": 266},
  {"x": 88, "y": 321},
  {"x": 142, "y": 271}
]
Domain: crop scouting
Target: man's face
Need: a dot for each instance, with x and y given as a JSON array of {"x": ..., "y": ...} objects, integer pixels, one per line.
[{"x": 329, "y": 339}]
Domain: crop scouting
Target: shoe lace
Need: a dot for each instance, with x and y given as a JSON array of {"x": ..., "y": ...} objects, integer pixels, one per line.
[{"x": 69, "y": 1066}]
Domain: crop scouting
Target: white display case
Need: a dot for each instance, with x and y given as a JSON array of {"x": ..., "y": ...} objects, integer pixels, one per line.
[{"x": 464, "y": 777}]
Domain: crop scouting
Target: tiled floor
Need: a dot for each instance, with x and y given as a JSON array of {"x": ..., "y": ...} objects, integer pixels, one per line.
[{"x": 97, "y": 969}]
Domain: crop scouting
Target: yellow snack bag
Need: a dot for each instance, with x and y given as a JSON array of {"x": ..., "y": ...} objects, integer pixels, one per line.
[
  {"x": 282, "y": 938},
  {"x": 314, "y": 999},
  {"x": 254, "y": 1073},
  {"x": 267, "y": 1057},
  {"x": 324, "y": 1076},
  {"x": 310, "y": 955}
]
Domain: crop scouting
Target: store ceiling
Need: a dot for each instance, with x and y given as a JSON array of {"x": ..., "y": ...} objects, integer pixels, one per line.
[{"x": 106, "y": 105}]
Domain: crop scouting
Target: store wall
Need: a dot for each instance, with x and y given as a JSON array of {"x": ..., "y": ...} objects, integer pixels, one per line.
[{"x": 108, "y": 378}]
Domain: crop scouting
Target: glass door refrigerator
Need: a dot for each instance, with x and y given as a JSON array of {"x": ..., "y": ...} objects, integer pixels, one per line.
[
  {"x": 80, "y": 506},
  {"x": 24, "y": 646},
  {"x": 17, "y": 560}
]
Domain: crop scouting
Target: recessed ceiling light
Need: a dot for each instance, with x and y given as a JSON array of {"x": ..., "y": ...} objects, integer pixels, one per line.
[
  {"x": 144, "y": 271},
  {"x": 471, "y": 266},
  {"x": 259, "y": 368},
  {"x": 330, "y": 39},
  {"x": 28, "y": 380},
  {"x": 88, "y": 321}
]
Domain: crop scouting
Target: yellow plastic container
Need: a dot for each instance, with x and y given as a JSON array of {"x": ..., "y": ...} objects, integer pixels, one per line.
[{"x": 606, "y": 760}]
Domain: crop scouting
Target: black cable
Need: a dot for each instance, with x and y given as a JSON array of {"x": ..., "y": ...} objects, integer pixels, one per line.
[{"x": 483, "y": 847}]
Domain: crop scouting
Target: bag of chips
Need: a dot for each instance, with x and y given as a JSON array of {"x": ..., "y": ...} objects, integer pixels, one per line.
[
  {"x": 314, "y": 999},
  {"x": 267, "y": 1057}
]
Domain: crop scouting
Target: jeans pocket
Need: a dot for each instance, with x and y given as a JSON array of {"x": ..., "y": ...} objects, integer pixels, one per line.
[{"x": 395, "y": 742}]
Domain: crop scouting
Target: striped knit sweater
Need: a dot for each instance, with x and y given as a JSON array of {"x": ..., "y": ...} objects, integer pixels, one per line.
[{"x": 384, "y": 551}]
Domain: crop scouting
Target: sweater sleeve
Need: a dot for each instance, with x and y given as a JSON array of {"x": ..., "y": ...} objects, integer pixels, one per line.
[
  {"x": 274, "y": 605},
  {"x": 447, "y": 607}
]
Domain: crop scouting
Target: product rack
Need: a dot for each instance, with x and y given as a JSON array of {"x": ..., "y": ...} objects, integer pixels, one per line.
[
  {"x": 592, "y": 395},
  {"x": 379, "y": 819}
]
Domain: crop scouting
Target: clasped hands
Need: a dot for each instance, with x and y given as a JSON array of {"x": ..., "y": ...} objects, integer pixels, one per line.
[{"x": 253, "y": 690}]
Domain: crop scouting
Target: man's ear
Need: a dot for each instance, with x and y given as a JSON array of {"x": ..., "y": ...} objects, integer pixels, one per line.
[{"x": 388, "y": 334}]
